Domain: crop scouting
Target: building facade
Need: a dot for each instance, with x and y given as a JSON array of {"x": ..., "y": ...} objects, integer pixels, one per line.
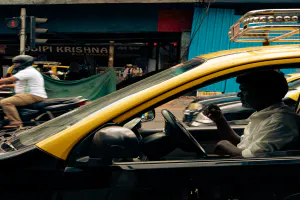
[
  {"x": 142, "y": 33},
  {"x": 153, "y": 34}
]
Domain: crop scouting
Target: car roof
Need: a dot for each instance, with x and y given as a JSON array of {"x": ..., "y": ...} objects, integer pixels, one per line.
[
  {"x": 292, "y": 77},
  {"x": 262, "y": 49}
]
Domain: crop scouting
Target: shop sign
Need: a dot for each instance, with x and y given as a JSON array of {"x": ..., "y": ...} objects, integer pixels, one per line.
[
  {"x": 201, "y": 93},
  {"x": 75, "y": 50},
  {"x": 126, "y": 50},
  {"x": 72, "y": 50}
]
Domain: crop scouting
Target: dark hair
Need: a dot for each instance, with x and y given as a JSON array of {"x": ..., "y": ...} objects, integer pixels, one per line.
[{"x": 271, "y": 83}]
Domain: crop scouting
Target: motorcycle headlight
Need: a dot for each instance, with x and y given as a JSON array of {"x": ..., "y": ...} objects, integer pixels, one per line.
[{"x": 203, "y": 119}]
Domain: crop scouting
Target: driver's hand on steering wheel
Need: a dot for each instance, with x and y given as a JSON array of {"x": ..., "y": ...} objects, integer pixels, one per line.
[{"x": 213, "y": 112}]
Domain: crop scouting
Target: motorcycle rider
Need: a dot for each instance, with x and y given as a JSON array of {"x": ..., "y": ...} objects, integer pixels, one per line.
[{"x": 29, "y": 88}]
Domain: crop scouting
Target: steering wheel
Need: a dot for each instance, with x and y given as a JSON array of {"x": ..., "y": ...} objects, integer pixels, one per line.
[{"x": 175, "y": 129}]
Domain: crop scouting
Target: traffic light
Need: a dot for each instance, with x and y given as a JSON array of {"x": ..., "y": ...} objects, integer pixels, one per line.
[
  {"x": 34, "y": 31},
  {"x": 13, "y": 23}
]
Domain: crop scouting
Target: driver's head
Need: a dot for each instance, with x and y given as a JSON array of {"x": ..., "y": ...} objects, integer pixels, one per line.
[{"x": 262, "y": 89}]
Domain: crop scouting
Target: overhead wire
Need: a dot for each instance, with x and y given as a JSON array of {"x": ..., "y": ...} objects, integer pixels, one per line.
[{"x": 196, "y": 29}]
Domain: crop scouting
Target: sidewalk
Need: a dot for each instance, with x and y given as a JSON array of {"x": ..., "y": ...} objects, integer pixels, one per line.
[{"x": 181, "y": 102}]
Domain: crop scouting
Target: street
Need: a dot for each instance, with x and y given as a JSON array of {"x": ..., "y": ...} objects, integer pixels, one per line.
[{"x": 176, "y": 106}]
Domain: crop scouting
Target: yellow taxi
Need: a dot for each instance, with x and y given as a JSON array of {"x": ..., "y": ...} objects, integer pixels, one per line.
[
  {"x": 104, "y": 150},
  {"x": 292, "y": 77},
  {"x": 56, "y": 67}
]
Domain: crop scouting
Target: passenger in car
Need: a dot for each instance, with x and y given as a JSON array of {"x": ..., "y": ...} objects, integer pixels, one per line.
[{"x": 271, "y": 128}]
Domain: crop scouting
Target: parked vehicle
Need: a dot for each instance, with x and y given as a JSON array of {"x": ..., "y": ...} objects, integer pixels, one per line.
[
  {"x": 45, "y": 66},
  {"x": 98, "y": 151}
]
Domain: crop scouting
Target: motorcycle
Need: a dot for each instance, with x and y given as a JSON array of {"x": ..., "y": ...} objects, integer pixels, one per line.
[{"x": 40, "y": 112}]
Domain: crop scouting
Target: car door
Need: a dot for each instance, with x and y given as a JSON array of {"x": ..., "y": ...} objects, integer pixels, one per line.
[
  {"x": 93, "y": 178},
  {"x": 84, "y": 178}
]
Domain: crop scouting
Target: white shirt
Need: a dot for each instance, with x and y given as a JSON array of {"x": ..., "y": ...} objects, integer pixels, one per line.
[
  {"x": 269, "y": 130},
  {"x": 30, "y": 81}
]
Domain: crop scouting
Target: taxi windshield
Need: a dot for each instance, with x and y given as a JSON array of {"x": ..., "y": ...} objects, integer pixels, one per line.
[{"x": 52, "y": 127}]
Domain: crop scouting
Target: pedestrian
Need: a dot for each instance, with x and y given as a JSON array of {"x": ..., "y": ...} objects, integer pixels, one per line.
[
  {"x": 126, "y": 73},
  {"x": 74, "y": 72},
  {"x": 52, "y": 75},
  {"x": 136, "y": 71},
  {"x": 40, "y": 67}
]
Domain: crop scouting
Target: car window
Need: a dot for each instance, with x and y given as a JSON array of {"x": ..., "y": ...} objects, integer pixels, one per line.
[{"x": 62, "y": 122}]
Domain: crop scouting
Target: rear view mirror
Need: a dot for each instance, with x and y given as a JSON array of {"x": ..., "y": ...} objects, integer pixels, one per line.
[{"x": 148, "y": 116}]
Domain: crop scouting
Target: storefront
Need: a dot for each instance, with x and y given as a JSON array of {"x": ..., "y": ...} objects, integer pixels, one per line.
[
  {"x": 144, "y": 34},
  {"x": 95, "y": 57}
]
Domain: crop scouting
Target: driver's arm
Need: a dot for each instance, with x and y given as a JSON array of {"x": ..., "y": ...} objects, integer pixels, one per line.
[
  {"x": 225, "y": 131},
  {"x": 225, "y": 147}
]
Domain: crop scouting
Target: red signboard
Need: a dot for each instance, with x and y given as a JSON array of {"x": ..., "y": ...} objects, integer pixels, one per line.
[
  {"x": 174, "y": 20},
  {"x": 2, "y": 49}
]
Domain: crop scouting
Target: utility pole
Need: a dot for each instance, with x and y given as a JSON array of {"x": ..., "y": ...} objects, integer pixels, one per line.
[
  {"x": 23, "y": 31},
  {"x": 111, "y": 53}
]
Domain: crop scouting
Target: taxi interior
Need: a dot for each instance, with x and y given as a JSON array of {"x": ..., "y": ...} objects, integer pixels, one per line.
[
  {"x": 129, "y": 141},
  {"x": 153, "y": 162},
  {"x": 133, "y": 142}
]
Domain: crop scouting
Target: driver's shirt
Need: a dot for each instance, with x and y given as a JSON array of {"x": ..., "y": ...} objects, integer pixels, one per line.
[{"x": 270, "y": 129}]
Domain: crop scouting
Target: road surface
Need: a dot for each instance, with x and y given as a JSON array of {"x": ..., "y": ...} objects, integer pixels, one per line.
[{"x": 176, "y": 106}]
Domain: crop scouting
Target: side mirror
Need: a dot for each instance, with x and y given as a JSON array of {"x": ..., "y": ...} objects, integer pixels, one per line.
[
  {"x": 148, "y": 116},
  {"x": 113, "y": 142}
]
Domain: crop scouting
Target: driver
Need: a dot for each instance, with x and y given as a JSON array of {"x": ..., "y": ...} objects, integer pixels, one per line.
[
  {"x": 271, "y": 128},
  {"x": 29, "y": 89}
]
